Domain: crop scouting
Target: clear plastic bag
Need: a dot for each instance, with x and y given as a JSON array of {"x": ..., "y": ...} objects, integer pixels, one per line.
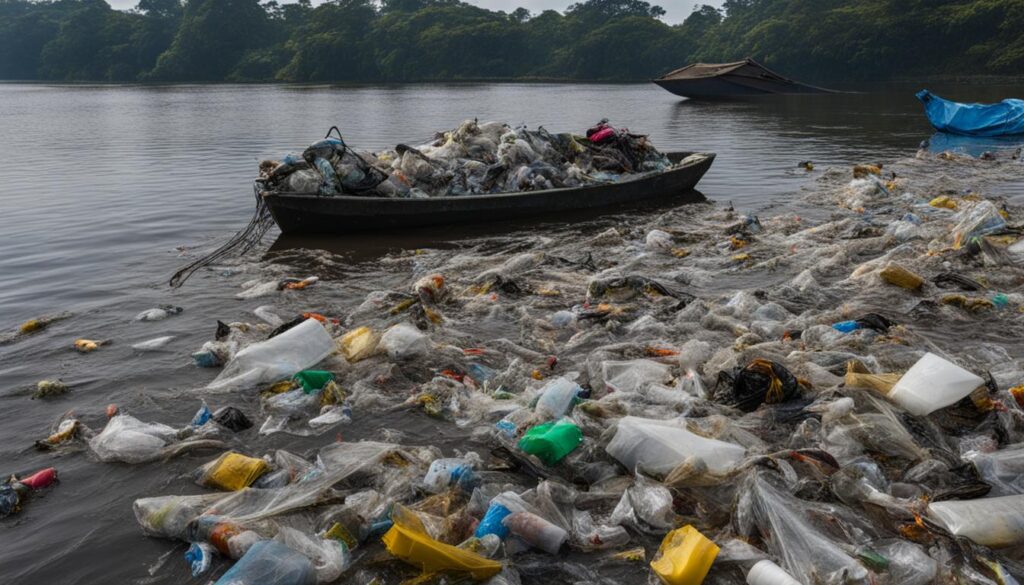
[
  {"x": 645, "y": 506},
  {"x": 789, "y": 527},
  {"x": 630, "y": 376},
  {"x": 404, "y": 342},
  {"x": 269, "y": 562},
  {"x": 329, "y": 557},
  {"x": 127, "y": 439},
  {"x": 297, "y": 349}
]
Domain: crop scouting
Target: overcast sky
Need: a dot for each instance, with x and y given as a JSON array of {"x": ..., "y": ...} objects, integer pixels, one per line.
[{"x": 677, "y": 10}]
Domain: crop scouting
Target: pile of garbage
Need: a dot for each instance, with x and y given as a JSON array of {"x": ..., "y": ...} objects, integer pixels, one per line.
[
  {"x": 704, "y": 397},
  {"x": 473, "y": 159}
]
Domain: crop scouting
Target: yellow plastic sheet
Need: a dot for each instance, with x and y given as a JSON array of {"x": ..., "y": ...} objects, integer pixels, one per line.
[
  {"x": 234, "y": 471},
  {"x": 409, "y": 541},
  {"x": 684, "y": 557},
  {"x": 359, "y": 344}
]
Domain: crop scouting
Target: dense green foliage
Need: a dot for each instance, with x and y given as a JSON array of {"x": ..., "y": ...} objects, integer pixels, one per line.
[{"x": 410, "y": 40}]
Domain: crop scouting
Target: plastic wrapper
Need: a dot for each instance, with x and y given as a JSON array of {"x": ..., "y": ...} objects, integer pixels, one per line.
[
  {"x": 404, "y": 342},
  {"x": 231, "y": 472},
  {"x": 297, "y": 349},
  {"x": 657, "y": 447},
  {"x": 630, "y": 376},
  {"x": 127, "y": 439},
  {"x": 992, "y": 522},
  {"x": 329, "y": 557},
  {"x": 359, "y": 344},
  {"x": 645, "y": 506},
  {"x": 1003, "y": 469}
]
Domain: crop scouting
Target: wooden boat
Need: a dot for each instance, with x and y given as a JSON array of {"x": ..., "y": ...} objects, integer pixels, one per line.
[
  {"x": 309, "y": 213},
  {"x": 742, "y": 78}
]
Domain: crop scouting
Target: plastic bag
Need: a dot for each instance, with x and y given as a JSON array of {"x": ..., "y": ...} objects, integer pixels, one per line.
[
  {"x": 980, "y": 219},
  {"x": 763, "y": 382},
  {"x": 168, "y": 516},
  {"x": 933, "y": 383},
  {"x": 408, "y": 540},
  {"x": 297, "y": 349},
  {"x": 232, "y": 418},
  {"x": 127, "y": 439},
  {"x": 992, "y": 522},
  {"x": 785, "y": 524},
  {"x": 630, "y": 376},
  {"x": 269, "y": 562},
  {"x": 329, "y": 557},
  {"x": 359, "y": 344},
  {"x": 1003, "y": 469},
  {"x": 231, "y": 472},
  {"x": 645, "y": 506},
  {"x": 404, "y": 342},
  {"x": 657, "y": 447}
]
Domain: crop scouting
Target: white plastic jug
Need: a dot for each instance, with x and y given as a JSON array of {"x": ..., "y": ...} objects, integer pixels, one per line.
[
  {"x": 933, "y": 383},
  {"x": 658, "y": 447},
  {"x": 300, "y": 347}
]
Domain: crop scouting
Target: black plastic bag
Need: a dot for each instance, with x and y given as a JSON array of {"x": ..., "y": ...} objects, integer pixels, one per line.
[
  {"x": 232, "y": 418},
  {"x": 763, "y": 382}
]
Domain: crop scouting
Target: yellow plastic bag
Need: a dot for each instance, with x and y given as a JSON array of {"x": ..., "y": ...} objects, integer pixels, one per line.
[
  {"x": 232, "y": 472},
  {"x": 943, "y": 201},
  {"x": 684, "y": 557},
  {"x": 858, "y": 376},
  {"x": 359, "y": 344},
  {"x": 409, "y": 541}
]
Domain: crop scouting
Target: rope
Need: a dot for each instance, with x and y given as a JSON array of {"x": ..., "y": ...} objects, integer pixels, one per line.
[{"x": 241, "y": 243}]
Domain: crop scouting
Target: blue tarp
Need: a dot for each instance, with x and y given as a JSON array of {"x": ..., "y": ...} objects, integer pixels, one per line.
[{"x": 1003, "y": 119}]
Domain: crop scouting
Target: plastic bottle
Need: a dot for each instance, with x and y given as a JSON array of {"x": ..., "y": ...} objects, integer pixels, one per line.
[
  {"x": 492, "y": 521},
  {"x": 446, "y": 472},
  {"x": 556, "y": 398},
  {"x": 552, "y": 441},
  {"x": 269, "y": 562},
  {"x": 765, "y": 572},
  {"x": 202, "y": 415},
  {"x": 536, "y": 531}
]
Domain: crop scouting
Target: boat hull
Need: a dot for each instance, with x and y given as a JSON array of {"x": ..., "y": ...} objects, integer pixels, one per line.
[
  {"x": 310, "y": 214},
  {"x": 714, "y": 87}
]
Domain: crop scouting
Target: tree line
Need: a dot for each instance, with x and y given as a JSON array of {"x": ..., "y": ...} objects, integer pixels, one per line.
[{"x": 424, "y": 40}]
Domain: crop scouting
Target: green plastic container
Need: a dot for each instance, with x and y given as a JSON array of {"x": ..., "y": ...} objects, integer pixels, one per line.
[
  {"x": 552, "y": 441},
  {"x": 313, "y": 380}
]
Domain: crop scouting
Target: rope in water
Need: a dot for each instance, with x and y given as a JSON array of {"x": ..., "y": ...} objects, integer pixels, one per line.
[{"x": 241, "y": 243}]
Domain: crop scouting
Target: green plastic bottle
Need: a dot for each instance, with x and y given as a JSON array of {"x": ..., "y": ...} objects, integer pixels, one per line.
[{"x": 552, "y": 441}]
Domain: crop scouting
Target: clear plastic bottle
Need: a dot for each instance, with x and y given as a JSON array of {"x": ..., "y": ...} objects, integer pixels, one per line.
[
  {"x": 536, "y": 531},
  {"x": 556, "y": 398}
]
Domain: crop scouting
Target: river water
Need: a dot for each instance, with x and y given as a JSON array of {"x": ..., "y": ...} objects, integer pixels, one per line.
[{"x": 106, "y": 190}]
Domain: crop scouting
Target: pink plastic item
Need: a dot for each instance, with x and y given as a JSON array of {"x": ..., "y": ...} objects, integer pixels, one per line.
[
  {"x": 602, "y": 135},
  {"x": 40, "y": 479}
]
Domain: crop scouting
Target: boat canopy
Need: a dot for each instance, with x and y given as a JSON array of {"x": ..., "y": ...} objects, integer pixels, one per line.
[
  {"x": 744, "y": 68},
  {"x": 1005, "y": 118}
]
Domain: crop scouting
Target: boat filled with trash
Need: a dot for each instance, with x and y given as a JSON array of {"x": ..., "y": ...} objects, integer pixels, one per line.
[
  {"x": 834, "y": 397},
  {"x": 473, "y": 159}
]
